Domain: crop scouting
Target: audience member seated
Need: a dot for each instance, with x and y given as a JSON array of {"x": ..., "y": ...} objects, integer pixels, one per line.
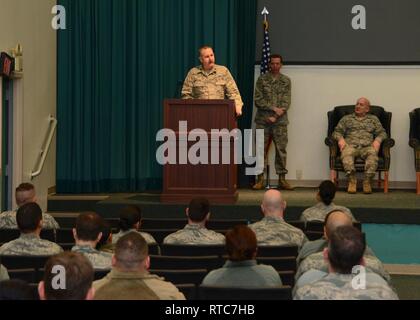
[
  {"x": 130, "y": 221},
  {"x": 72, "y": 283},
  {"x": 105, "y": 243},
  {"x": 242, "y": 270},
  {"x": 16, "y": 290},
  {"x": 87, "y": 234},
  {"x": 311, "y": 256},
  {"x": 25, "y": 193},
  {"x": 129, "y": 278},
  {"x": 195, "y": 232},
  {"x": 332, "y": 220},
  {"x": 345, "y": 251},
  {"x": 272, "y": 230},
  {"x": 325, "y": 196},
  {"x": 29, "y": 221},
  {"x": 4, "y": 275}
]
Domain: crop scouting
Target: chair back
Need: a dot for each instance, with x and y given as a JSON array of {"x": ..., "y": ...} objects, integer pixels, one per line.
[{"x": 192, "y": 250}]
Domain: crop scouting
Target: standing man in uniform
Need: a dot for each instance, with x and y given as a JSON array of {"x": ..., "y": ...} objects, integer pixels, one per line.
[
  {"x": 360, "y": 135},
  {"x": 211, "y": 81},
  {"x": 272, "y": 98}
]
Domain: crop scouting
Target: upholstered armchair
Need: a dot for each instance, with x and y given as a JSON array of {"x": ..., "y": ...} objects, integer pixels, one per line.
[
  {"x": 414, "y": 142},
  {"x": 384, "y": 154}
]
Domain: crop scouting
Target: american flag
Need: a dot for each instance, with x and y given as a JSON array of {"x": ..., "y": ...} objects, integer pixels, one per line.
[{"x": 265, "y": 58}]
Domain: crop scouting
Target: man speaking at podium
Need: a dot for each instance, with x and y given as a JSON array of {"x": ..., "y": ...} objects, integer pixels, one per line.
[{"x": 211, "y": 81}]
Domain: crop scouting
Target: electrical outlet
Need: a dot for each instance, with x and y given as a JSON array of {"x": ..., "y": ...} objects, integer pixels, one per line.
[{"x": 299, "y": 174}]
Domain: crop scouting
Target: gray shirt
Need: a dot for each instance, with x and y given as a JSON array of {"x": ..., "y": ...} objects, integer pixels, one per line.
[{"x": 243, "y": 274}]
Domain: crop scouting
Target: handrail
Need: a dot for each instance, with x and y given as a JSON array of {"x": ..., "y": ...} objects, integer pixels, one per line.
[{"x": 43, "y": 152}]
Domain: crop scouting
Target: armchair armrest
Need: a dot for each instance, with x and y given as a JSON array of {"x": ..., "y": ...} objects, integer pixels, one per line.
[
  {"x": 387, "y": 144},
  {"x": 333, "y": 146},
  {"x": 414, "y": 143}
]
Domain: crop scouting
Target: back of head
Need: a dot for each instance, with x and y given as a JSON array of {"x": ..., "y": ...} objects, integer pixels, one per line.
[
  {"x": 129, "y": 216},
  {"x": 335, "y": 219},
  {"x": 273, "y": 203},
  {"x": 198, "y": 209},
  {"x": 88, "y": 226},
  {"x": 327, "y": 190},
  {"x": 77, "y": 271},
  {"x": 24, "y": 193},
  {"x": 130, "y": 251},
  {"x": 241, "y": 243},
  {"x": 28, "y": 217},
  {"x": 345, "y": 249},
  {"x": 16, "y": 290}
]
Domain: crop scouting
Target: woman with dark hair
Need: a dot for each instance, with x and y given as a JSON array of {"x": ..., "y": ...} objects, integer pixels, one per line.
[
  {"x": 325, "y": 197},
  {"x": 130, "y": 221},
  {"x": 241, "y": 269}
]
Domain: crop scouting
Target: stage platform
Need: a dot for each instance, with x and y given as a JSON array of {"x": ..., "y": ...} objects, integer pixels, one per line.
[{"x": 396, "y": 207}]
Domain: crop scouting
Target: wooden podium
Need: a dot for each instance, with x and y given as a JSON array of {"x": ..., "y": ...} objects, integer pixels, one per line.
[{"x": 184, "y": 181}]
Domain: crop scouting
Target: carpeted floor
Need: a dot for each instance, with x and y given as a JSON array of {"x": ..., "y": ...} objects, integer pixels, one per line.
[{"x": 407, "y": 286}]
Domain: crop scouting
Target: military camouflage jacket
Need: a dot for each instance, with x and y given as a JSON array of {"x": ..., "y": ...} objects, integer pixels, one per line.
[
  {"x": 8, "y": 221},
  {"x": 148, "y": 237},
  {"x": 271, "y": 92},
  {"x": 216, "y": 84},
  {"x": 30, "y": 244},
  {"x": 336, "y": 286},
  {"x": 195, "y": 234},
  {"x": 272, "y": 231},
  {"x": 100, "y": 260},
  {"x": 319, "y": 211},
  {"x": 359, "y": 132},
  {"x": 119, "y": 285},
  {"x": 316, "y": 261}
]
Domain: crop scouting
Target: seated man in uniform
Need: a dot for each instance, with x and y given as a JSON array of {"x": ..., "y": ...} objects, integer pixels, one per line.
[
  {"x": 344, "y": 257},
  {"x": 29, "y": 221},
  {"x": 272, "y": 230},
  {"x": 129, "y": 278},
  {"x": 87, "y": 234},
  {"x": 25, "y": 193},
  {"x": 360, "y": 135},
  {"x": 195, "y": 232}
]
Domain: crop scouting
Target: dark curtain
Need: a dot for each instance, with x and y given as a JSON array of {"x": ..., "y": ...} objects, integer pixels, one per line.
[{"x": 117, "y": 61}]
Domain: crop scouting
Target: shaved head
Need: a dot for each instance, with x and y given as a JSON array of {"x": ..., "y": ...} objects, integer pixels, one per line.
[
  {"x": 336, "y": 219},
  {"x": 273, "y": 203}
]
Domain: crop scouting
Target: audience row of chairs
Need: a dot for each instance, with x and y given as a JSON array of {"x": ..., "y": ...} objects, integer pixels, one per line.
[
  {"x": 200, "y": 292},
  {"x": 64, "y": 236}
]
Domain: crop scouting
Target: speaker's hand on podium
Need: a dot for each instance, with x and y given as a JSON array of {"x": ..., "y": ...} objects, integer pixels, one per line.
[{"x": 238, "y": 111}]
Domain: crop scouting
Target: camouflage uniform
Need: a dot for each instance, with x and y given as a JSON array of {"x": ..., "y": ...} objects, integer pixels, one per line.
[
  {"x": 8, "y": 221},
  {"x": 30, "y": 244},
  {"x": 3, "y": 273},
  {"x": 148, "y": 237},
  {"x": 319, "y": 211},
  {"x": 218, "y": 83},
  {"x": 335, "y": 286},
  {"x": 271, "y": 231},
  {"x": 195, "y": 234},
  {"x": 359, "y": 134},
  {"x": 271, "y": 92},
  {"x": 119, "y": 285},
  {"x": 100, "y": 260},
  {"x": 316, "y": 261}
]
